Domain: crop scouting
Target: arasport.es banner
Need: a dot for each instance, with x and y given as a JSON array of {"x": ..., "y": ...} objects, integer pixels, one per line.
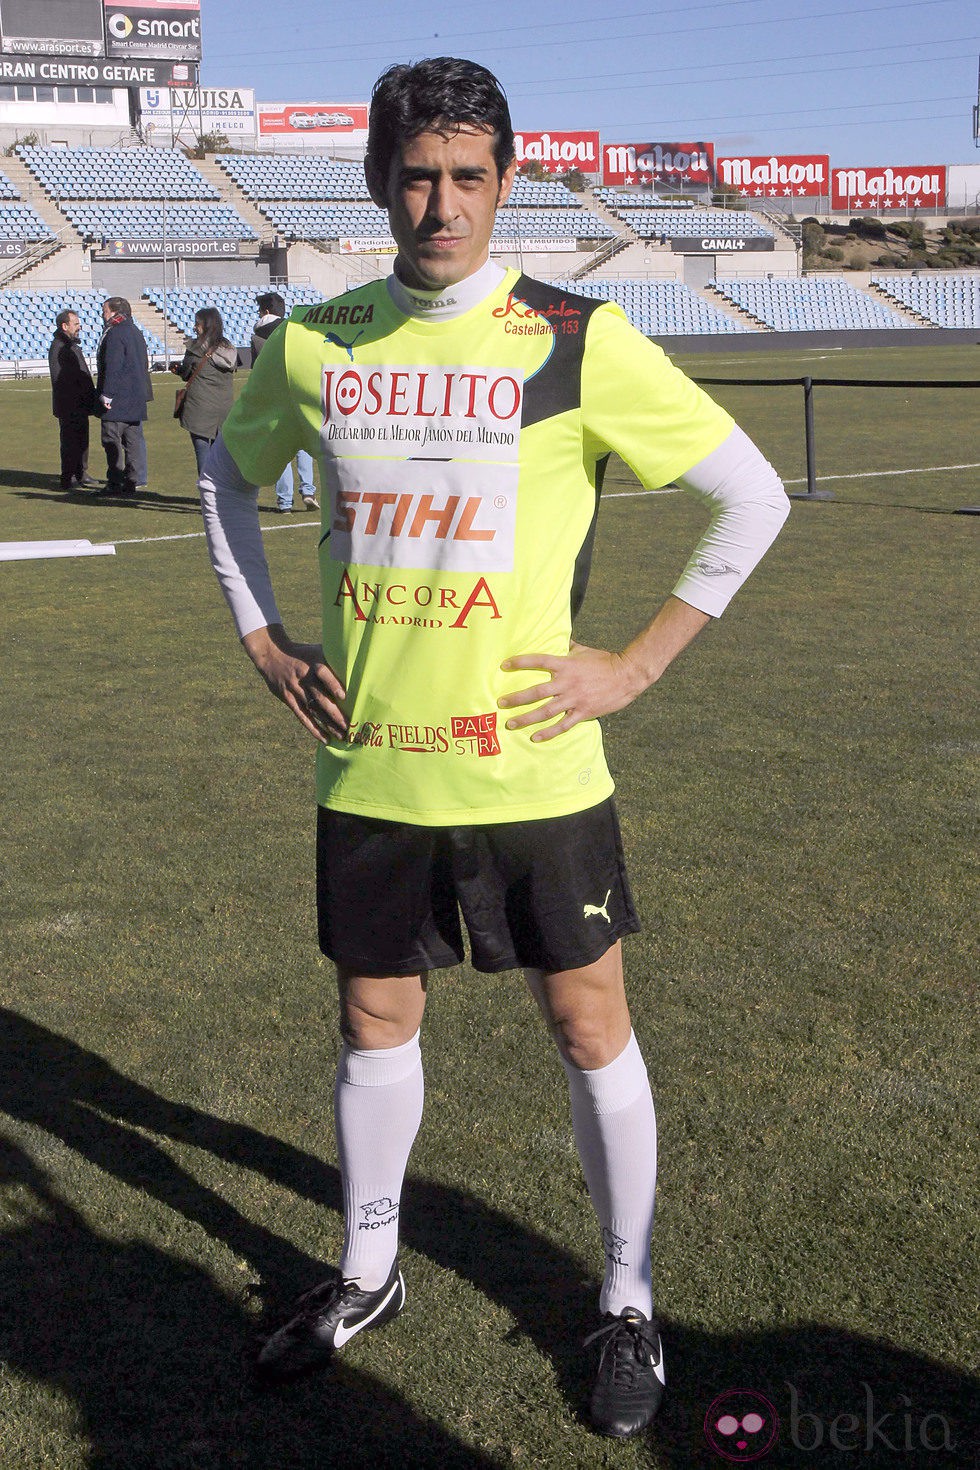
[
  {"x": 159, "y": 28},
  {"x": 871, "y": 190},
  {"x": 559, "y": 153},
  {"x": 672, "y": 164},
  {"x": 299, "y": 119},
  {"x": 778, "y": 176}
]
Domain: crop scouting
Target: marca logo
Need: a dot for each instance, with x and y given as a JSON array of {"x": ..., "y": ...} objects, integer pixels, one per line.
[
  {"x": 779, "y": 174},
  {"x": 558, "y": 152},
  {"x": 888, "y": 188},
  {"x": 331, "y": 314},
  {"x": 642, "y": 163}
]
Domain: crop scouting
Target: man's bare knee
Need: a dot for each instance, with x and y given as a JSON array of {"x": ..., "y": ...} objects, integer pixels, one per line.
[
  {"x": 585, "y": 1010},
  {"x": 378, "y": 1013}
]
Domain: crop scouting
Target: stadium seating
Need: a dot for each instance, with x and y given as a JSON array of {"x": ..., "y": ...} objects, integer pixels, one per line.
[
  {"x": 650, "y": 223},
  {"x": 7, "y": 190},
  {"x": 612, "y": 196},
  {"x": 116, "y": 173},
  {"x": 147, "y": 221},
  {"x": 324, "y": 221},
  {"x": 290, "y": 176},
  {"x": 21, "y": 222},
  {"x": 542, "y": 194},
  {"x": 659, "y": 308},
  {"x": 813, "y": 304},
  {"x": 947, "y": 300},
  {"x": 236, "y": 304},
  {"x": 550, "y": 224},
  {"x": 27, "y": 322}
]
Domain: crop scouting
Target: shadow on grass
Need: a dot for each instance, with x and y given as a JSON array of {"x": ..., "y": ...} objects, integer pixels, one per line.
[{"x": 152, "y": 1354}]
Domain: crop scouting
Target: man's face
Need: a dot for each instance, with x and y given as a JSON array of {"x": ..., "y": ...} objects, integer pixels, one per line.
[
  {"x": 441, "y": 194},
  {"x": 106, "y": 312},
  {"x": 72, "y": 326}
]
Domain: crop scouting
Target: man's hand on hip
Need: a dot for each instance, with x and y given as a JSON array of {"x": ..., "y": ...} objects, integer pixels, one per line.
[
  {"x": 588, "y": 682},
  {"x": 585, "y": 683},
  {"x": 297, "y": 674}
]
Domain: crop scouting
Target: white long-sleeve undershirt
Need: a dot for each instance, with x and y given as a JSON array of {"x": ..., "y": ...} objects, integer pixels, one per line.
[{"x": 743, "y": 490}]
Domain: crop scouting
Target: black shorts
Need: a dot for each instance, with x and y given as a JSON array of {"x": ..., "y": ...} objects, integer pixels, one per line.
[{"x": 549, "y": 894}]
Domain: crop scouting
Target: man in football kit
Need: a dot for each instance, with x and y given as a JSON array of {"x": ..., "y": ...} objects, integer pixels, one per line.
[{"x": 464, "y": 415}]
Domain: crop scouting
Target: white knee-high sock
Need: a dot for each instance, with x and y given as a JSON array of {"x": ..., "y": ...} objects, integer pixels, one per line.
[
  {"x": 377, "y": 1110},
  {"x": 616, "y": 1134}
]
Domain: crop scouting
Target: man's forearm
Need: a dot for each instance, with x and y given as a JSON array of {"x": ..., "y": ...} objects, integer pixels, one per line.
[
  {"x": 231, "y": 519},
  {"x": 652, "y": 651}
]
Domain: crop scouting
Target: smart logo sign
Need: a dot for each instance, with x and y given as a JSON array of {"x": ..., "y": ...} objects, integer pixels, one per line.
[
  {"x": 558, "y": 153},
  {"x": 658, "y": 163},
  {"x": 154, "y": 28},
  {"x": 874, "y": 189},
  {"x": 778, "y": 176}
]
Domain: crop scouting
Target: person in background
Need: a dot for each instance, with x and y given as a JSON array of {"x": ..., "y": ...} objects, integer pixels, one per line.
[
  {"x": 208, "y": 368},
  {"x": 123, "y": 390},
  {"x": 72, "y": 398},
  {"x": 272, "y": 309}
]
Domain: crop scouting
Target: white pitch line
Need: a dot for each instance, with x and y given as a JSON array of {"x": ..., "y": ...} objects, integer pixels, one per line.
[
  {"x": 612, "y": 495},
  {"x": 197, "y": 535},
  {"x": 878, "y": 474},
  {"x": 861, "y": 475}
]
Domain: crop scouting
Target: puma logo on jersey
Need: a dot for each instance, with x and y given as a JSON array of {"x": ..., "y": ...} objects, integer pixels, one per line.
[
  {"x": 339, "y": 342},
  {"x": 591, "y": 910}
]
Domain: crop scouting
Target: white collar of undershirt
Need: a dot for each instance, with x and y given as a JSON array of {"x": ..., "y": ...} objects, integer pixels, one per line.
[{"x": 450, "y": 301}]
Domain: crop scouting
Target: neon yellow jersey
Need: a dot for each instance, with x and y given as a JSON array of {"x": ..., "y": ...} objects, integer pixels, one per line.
[{"x": 462, "y": 462}]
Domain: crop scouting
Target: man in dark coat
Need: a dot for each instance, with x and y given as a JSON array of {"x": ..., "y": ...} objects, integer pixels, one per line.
[
  {"x": 123, "y": 390},
  {"x": 72, "y": 398}
]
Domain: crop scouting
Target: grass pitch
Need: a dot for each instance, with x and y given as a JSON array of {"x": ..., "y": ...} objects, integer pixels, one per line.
[{"x": 798, "y": 801}]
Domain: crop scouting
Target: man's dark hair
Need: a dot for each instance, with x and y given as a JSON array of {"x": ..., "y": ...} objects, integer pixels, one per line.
[
  {"x": 440, "y": 92},
  {"x": 63, "y": 316},
  {"x": 271, "y": 302},
  {"x": 119, "y": 306}
]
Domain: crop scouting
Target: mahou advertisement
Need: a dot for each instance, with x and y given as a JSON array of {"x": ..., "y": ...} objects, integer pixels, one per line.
[
  {"x": 778, "y": 176},
  {"x": 891, "y": 187},
  {"x": 675, "y": 164},
  {"x": 558, "y": 153},
  {"x": 303, "y": 118}
]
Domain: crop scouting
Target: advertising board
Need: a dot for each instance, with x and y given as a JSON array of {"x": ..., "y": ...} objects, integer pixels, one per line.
[
  {"x": 557, "y": 153},
  {"x": 778, "y": 176},
  {"x": 51, "y": 28},
  {"x": 153, "y": 28},
  {"x": 300, "y": 119},
  {"x": 185, "y": 112},
  {"x": 899, "y": 186},
  {"x": 671, "y": 164},
  {"x": 95, "y": 71}
]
